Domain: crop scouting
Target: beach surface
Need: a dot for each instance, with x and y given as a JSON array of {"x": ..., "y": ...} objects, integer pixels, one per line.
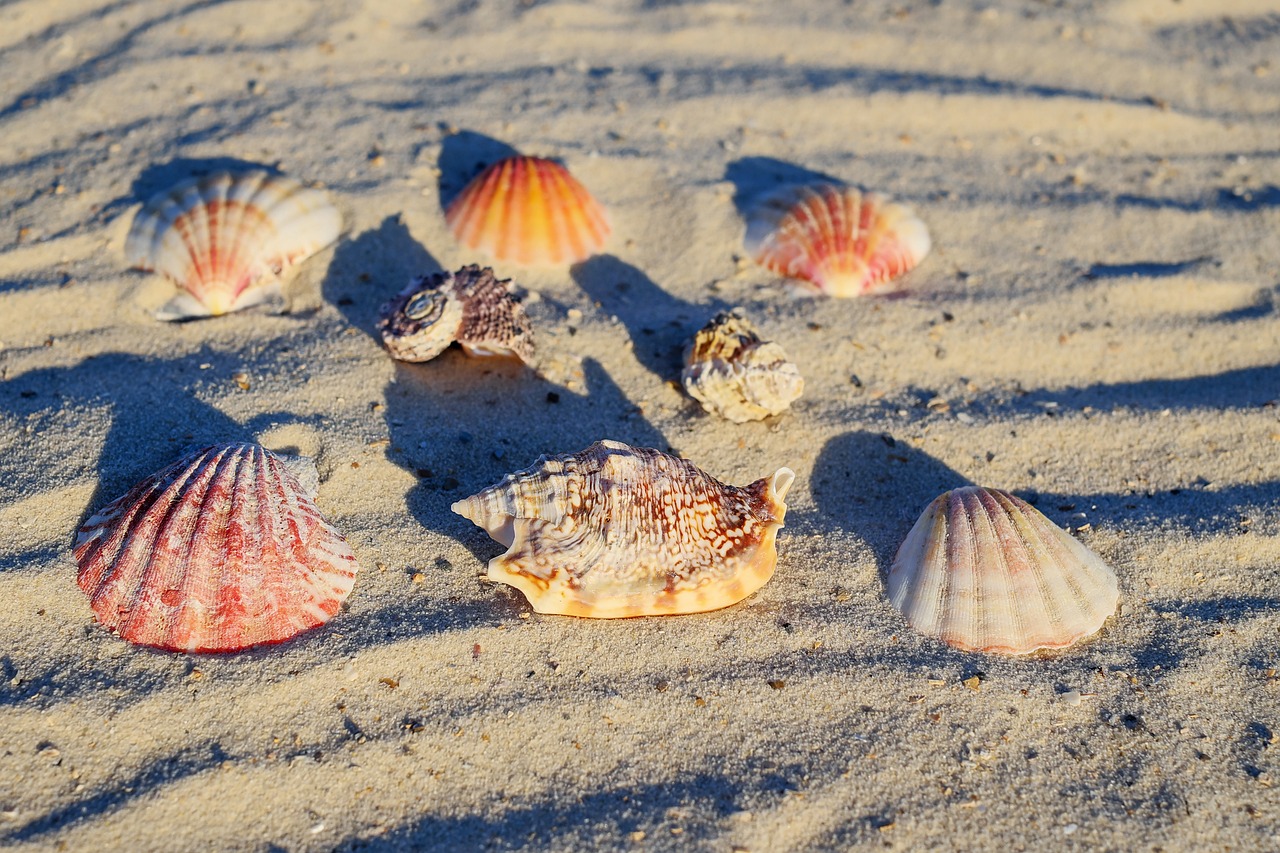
[{"x": 1096, "y": 329}]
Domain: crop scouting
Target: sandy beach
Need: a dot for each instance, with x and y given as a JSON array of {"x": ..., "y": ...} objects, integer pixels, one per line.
[{"x": 1096, "y": 329}]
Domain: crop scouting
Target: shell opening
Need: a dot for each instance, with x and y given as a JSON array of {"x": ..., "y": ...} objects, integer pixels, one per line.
[{"x": 781, "y": 482}]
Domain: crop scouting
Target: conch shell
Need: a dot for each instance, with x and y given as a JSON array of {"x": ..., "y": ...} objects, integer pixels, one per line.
[
  {"x": 735, "y": 374},
  {"x": 616, "y": 531}
]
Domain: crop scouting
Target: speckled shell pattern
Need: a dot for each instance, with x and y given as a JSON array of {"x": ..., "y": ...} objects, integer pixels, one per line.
[
  {"x": 735, "y": 374},
  {"x": 226, "y": 239},
  {"x": 470, "y": 307},
  {"x": 616, "y": 531},
  {"x": 218, "y": 552},
  {"x": 844, "y": 241},
  {"x": 982, "y": 570},
  {"x": 529, "y": 211}
]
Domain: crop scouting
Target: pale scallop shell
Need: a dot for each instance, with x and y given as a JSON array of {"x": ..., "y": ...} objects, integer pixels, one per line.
[
  {"x": 844, "y": 241},
  {"x": 984, "y": 571},
  {"x": 529, "y": 211},
  {"x": 470, "y": 307},
  {"x": 220, "y": 551},
  {"x": 227, "y": 239},
  {"x": 735, "y": 374},
  {"x": 616, "y": 531}
]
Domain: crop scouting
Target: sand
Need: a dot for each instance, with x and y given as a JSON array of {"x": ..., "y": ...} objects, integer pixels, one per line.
[{"x": 1096, "y": 329}]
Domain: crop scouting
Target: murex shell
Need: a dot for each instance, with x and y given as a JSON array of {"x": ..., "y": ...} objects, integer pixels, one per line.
[
  {"x": 227, "y": 239},
  {"x": 220, "y": 551},
  {"x": 984, "y": 571},
  {"x": 844, "y": 241},
  {"x": 616, "y": 531},
  {"x": 735, "y": 374},
  {"x": 471, "y": 307},
  {"x": 529, "y": 211}
]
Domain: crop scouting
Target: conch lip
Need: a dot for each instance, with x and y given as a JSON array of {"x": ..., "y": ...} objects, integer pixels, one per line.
[{"x": 781, "y": 483}]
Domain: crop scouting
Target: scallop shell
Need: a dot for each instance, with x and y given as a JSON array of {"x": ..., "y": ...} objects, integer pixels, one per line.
[
  {"x": 616, "y": 531},
  {"x": 471, "y": 307},
  {"x": 843, "y": 240},
  {"x": 735, "y": 374},
  {"x": 220, "y": 551},
  {"x": 227, "y": 239},
  {"x": 529, "y": 211},
  {"x": 984, "y": 571}
]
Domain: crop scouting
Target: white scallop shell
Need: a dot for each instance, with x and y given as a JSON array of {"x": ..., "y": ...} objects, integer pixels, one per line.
[
  {"x": 616, "y": 531},
  {"x": 735, "y": 374},
  {"x": 982, "y": 570},
  {"x": 227, "y": 239}
]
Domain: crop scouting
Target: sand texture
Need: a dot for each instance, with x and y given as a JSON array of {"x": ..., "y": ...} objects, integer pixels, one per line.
[{"x": 1095, "y": 330}]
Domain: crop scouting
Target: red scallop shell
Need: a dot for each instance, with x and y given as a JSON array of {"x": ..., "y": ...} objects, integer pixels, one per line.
[
  {"x": 529, "y": 211},
  {"x": 220, "y": 551},
  {"x": 845, "y": 241}
]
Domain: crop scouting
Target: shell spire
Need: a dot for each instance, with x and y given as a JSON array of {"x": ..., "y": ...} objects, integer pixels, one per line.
[
  {"x": 615, "y": 531},
  {"x": 227, "y": 239},
  {"x": 842, "y": 240},
  {"x": 220, "y": 551},
  {"x": 982, "y": 570},
  {"x": 529, "y": 211}
]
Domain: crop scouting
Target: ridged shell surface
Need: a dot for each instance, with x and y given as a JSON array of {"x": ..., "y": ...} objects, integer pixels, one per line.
[
  {"x": 982, "y": 570},
  {"x": 470, "y": 307},
  {"x": 844, "y": 241},
  {"x": 220, "y": 551},
  {"x": 529, "y": 211},
  {"x": 616, "y": 531},
  {"x": 735, "y": 374},
  {"x": 227, "y": 239}
]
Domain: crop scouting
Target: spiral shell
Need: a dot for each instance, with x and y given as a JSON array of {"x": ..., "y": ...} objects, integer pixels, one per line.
[
  {"x": 616, "y": 531},
  {"x": 735, "y": 374},
  {"x": 220, "y": 551},
  {"x": 984, "y": 571},
  {"x": 845, "y": 241},
  {"x": 227, "y": 239},
  {"x": 529, "y": 211},
  {"x": 470, "y": 307}
]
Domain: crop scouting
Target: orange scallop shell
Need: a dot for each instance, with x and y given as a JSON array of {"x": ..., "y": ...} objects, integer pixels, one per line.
[
  {"x": 845, "y": 241},
  {"x": 529, "y": 211},
  {"x": 220, "y": 551}
]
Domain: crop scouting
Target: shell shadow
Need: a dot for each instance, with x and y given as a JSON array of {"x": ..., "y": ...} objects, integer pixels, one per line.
[
  {"x": 157, "y": 178},
  {"x": 368, "y": 270},
  {"x": 464, "y": 155},
  {"x": 755, "y": 177},
  {"x": 459, "y": 424},
  {"x": 658, "y": 323},
  {"x": 876, "y": 486},
  {"x": 156, "y": 415}
]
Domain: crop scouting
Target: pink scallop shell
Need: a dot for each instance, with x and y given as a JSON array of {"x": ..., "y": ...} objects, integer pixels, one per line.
[
  {"x": 529, "y": 211},
  {"x": 844, "y": 241},
  {"x": 983, "y": 570},
  {"x": 220, "y": 551},
  {"x": 227, "y": 239}
]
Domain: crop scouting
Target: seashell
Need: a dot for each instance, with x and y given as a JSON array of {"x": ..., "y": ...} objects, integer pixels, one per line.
[
  {"x": 844, "y": 241},
  {"x": 735, "y": 374},
  {"x": 529, "y": 211},
  {"x": 984, "y": 571},
  {"x": 220, "y": 551},
  {"x": 227, "y": 239},
  {"x": 617, "y": 531},
  {"x": 471, "y": 307}
]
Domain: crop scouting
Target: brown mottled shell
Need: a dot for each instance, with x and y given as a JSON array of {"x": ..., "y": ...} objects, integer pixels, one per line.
[
  {"x": 733, "y": 373},
  {"x": 470, "y": 307},
  {"x": 616, "y": 531}
]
